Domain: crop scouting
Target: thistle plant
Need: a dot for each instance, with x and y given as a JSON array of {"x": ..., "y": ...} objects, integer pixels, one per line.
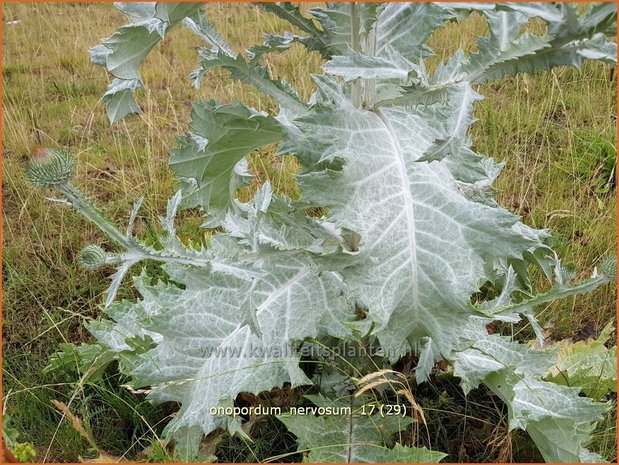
[{"x": 411, "y": 230}]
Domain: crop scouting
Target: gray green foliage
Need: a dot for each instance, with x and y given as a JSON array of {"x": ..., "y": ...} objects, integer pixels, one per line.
[
  {"x": 587, "y": 365},
  {"x": 354, "y": 437},
  {"x": 411, "y": 230},
  {"x": 207, "y": 162},
  {"x": 123, "y": 52}
]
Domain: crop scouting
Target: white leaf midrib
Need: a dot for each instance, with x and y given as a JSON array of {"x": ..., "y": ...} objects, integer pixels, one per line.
[
  {"x": 281, "y": 290},
  {"x": 400, "y": 165}
]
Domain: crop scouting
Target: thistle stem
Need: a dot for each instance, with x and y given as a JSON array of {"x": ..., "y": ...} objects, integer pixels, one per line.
[
  {"x": 89, "y": 210},
  {"x": 134, "y": 250}
]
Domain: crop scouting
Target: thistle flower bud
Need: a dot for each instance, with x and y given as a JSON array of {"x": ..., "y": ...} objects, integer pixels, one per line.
[
  {"x": 93, "y": 257},
  {"x": 50, "y": 167}
]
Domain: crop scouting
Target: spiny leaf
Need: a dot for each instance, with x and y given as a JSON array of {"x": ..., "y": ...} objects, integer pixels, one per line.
[
  {"x": 123, "y": 53},
  {"x": 351, "y": 437},
  {"x": 405, "y": 273},
  {"x": 207, "y": 164},
  {"x": 588, "y": 365},
  {"x": 556, "y": 416},
  {"x": 250, "y": 73}
]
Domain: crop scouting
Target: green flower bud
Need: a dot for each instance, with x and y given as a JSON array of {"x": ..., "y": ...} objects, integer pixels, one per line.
[
  {"x": 50, "y": 167},
  {"x": 93, "y": 257}
]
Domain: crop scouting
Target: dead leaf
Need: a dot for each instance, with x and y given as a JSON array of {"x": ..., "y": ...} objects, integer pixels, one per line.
[{"x": 75, "y": 422}]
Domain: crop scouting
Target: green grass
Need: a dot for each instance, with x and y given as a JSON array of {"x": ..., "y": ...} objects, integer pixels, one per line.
[
  {"x": 544, "y": 128},
  {"x": 555, "y": 131}
]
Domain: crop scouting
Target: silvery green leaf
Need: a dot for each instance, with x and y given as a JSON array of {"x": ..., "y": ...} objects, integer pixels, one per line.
[
  {"x": 98, "y": 54},
  {"x": 588, "y": 365},
  {"x": 467, "y": 6},
  {"x": 550, "y": 12},
  {"x": 291, "y": 13},
  {"x": 346, "y": 25},
  {"x": 117, "y": 277},
  {"x": 496, "y": 353},
  {"x": 556, "y": 417},
  {"x": 473, "y": 366},
  {"x": 406, "y": 272},
  {"x": 272, "y": 43},
  {"x": 297, "y": 300},
  {"x": 187, "y": 443},
  {"x": 244, "y": 364},
  {"x": 558, "y": 291},
  {"x": 137, "y": 11},
  {"x": 286, "y": 227},
  {"x": 405, "y": 454},
  {"x": 570, "y": 54},
  {"x": 536, "y": 400},
  {"x": 510, "y": 285},
  {"x": 203, "y": 337},
  {"x": 565, "y": 21},
  {"x": 558, "y": 441},
  {"x": 537, "y": 328},
  {"x": 370, "y": 27},
  {"x": 356, "y": 65},
  {"x": 293, "y": 301},
  {"x": 587, "y": 456},
  {"x": 132, "y": 43},
  {"x": 119, "y": 99},
  {"x": 410, "y": 233},
  {"x": 221, "y": 55},
  {"x": 348, "y": 437},
  {"x": 123, "y": 53},
  {"x": 89, "y": 360},
  {"x": 452, "y": 144},
  {"x": 133, "y": 216},
  {"x": 333, "y": 383},
  {"x": 424, "y": 89},
  {"x": 207, "y": 172},
  {"x": 167, "y": 222},
  {"x": 250, "y": 73},
  {"x": 381, "y": 34},
  {"x": 503, "y": 47},
  {"x": 185, "y": 339},
  {"x": 123, "y": 325},
  {"x": 129, "y": 46},
  {"x": 427, "y": 357},
  {"x": 397, "y": 21},
  {"x": 204, "y": 29},
  {"x": 174, "y": 12},
  {"x": 571, "y": 38}
]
